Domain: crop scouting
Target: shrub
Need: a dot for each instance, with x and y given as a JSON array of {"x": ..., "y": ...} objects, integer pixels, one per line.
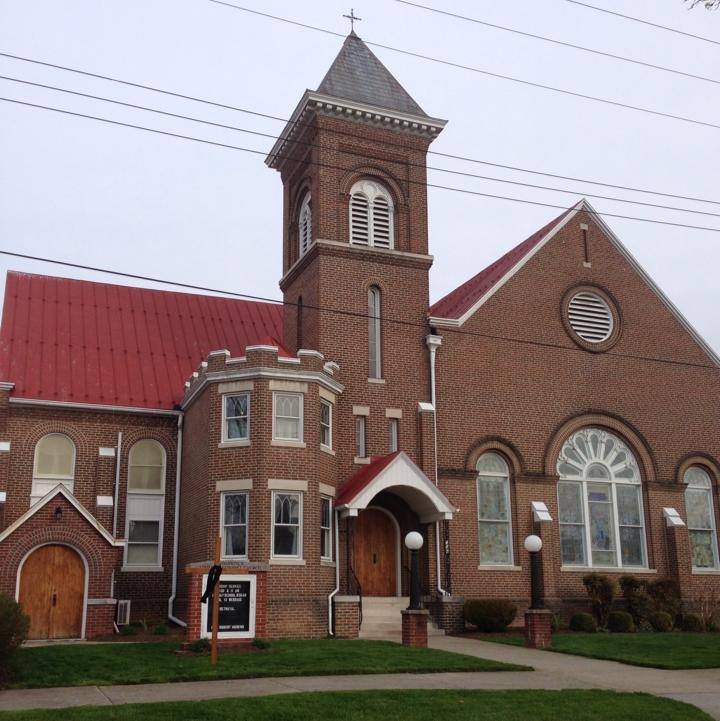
[
  {"x": 665, "y": 596},
  {"x": 160, "y": 630},
  {"x": 601, "y": 590},
  {"x": 201, "y": 645},
  {"x": 693, "y": 623},
  {"x": 661, "y": 621},
  {"x": 127, "y": 630},
  {"x": 637, "y": 599},
  {"x": 620, "y": 622},
  {"x": 14, "y": 625},
  {"x": 583, "y": 622},
  {"x": 260, "y": 643},
  {"x": 490, "y": 615}
]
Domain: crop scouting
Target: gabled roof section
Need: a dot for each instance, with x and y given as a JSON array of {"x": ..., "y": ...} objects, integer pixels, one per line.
[
  {"x": 77, "y": 341},
  {"x": 51, "y": 495},
  {"x": 396, "y": 473},
  {"x": 357, "y": 74},
  {"x": 458, "y": 306}
]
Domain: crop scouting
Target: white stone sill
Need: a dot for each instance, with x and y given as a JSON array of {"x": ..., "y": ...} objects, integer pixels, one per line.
[
  {"x": 706, "y": 572},
  {"x": 142, "y": 569},
  {"x": 361, "y": 461},
  {"x": 240, "y": 443},
  {"x": 287, "y": 561},
  {"x": 491, "y": 567},
  {"x": 327, "y": 449},
  {"x": 288, "y": 444},
  {"x": 628, "y": 570},
  {"x": 379, "y": 381},
  {"x": 327, "y": 563}
]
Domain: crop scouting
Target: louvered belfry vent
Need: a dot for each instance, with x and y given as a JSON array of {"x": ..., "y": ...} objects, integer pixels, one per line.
[
  {"x": 590, "y": 317},
  {"x": 305, "y": 226},
  {"x": 371, "y": 215}
]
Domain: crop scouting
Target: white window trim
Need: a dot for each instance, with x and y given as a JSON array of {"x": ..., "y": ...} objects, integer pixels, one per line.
[
  {"x": 161, "y": 531},
  {"x": 713, "y": 528},
  {"x": 329, "y": 558},
  {"x": 222, "y": 523},
  {"x": 224, "y": 437},
  {"x": 66, "y": 480},
  {"x": 282, "y": 557},
  {"x": 361, "y": 425},
  {"x": 329, "y": 405},
  {"x": 300, "y": 439},
  {"x": 510, "y": 562},
  {"x": 148, "y": 491},
  {"x": 393, "y": 435}
]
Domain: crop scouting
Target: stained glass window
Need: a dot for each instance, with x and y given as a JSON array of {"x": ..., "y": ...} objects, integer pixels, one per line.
[
  {"x": 701, "y": 518},
  {"x": 494, "y": 526}
]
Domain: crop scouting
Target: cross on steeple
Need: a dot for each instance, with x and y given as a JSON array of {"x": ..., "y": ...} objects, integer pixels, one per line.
[{"x": 352, "y": 18}]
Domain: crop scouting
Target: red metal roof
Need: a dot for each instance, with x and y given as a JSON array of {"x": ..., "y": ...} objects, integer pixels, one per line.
[
  {"x": 364, "y": 477},
  {"x": 85, "y": 342},
  {"x": 460, "y": 300}
]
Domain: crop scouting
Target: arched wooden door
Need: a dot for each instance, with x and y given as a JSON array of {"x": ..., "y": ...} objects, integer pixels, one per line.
[
  {"x": 375, "y": 557},
  {"x": 52, "y": 592}
]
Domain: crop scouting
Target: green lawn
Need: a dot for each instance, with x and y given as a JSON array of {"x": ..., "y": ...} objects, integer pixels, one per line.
[
  {"x": 676, "y": 650},
  {"x": 124, "y": 663},
  {"x": 394, "y": 706}
]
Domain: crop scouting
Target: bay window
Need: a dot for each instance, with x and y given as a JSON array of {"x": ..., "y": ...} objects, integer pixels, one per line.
[
  {"x": 287, "y": 525},
  {"x": 287, "y": 416},
  {"x": 234, "y": 525}
]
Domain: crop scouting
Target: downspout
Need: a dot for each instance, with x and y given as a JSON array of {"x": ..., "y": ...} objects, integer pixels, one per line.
[
  {"x": 337, "y": 577},
  {"x": 176, "y": 529},
  {"x": 116, "y": 499},
  {"x": 433, "y": 343}
]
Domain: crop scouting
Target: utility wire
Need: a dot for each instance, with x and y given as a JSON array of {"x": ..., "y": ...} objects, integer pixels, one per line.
[
  {"x": 471, "y": 68},
  {"x": 348, "y": 313},
  {"x": 603, "y": 53},
  {"x": 229, "y": 146},
  {"x": 644, "y": 22},
  {"x": 338, "y": 132},
  {"x": 309, "y": 144}
]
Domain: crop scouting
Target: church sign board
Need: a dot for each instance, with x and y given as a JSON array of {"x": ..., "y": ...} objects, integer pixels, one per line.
[{"x": 237, "y": 608}]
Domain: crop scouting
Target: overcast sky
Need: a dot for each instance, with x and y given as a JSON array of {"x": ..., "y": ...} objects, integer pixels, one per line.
[{"x": 86, "y": 192}]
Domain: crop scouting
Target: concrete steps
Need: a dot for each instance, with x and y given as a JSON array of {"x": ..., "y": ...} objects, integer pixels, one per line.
[{"x": 382, "y": 619}]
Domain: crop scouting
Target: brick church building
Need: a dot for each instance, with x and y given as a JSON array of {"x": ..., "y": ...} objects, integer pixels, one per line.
[{"x": 556, "y": 392}]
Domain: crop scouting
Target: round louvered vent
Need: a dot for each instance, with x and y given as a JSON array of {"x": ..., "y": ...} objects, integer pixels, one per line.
[{"x": 590, "y": 317}]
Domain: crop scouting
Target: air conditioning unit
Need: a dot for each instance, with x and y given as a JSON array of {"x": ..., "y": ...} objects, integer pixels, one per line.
[{"x": 123, "y": 612}]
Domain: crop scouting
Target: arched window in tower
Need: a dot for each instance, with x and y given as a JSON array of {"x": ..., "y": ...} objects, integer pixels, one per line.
[
  {"x": 304, "y": 226},
  {"x": 374, "y": 333},
  {"x": 371, "y": 215}
]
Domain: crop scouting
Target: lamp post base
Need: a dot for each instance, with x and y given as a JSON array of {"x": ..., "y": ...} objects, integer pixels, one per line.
[
  {"x": 414, "y": 627},
  {"x": 538, "y": 628}
]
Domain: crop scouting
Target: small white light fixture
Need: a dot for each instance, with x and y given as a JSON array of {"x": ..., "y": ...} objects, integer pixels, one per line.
[
  {"x": 540, "y": 512},
  {"x": 414, "y": 541},
  {"x": 533, "y": 544},
  {"x": 672, "y": 518}
]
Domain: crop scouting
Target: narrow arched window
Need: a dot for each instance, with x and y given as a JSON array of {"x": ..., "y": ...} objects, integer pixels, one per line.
[
  {"x": 146, "y": 472},
  {"x": 54, "y": 464},
  {"x": 494, "y": 524},
  {"x": 304, "y": 226},
  {"x": 374, "y": 333},
  {"x": 600, "y": 506},
  {"x": 371, "y": 215},
  {"x": 701, "y": 518}
]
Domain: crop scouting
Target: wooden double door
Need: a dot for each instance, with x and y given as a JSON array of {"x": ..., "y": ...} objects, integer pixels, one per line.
[
  {"x": 52, "y": 592},
  {"x": 375, "y": 558}
]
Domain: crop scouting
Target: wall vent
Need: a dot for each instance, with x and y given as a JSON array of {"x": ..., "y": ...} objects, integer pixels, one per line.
[{"x": 590, "y": 317}]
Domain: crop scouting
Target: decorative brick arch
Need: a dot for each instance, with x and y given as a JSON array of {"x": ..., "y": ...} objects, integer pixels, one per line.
[
  {"x": 82, "y": 445},
  {"x": 611, "y": 423},
  {"x": 698, "y": 459},
  {"x": 507, "y": 450},
  {"x": 378, "y": 174}
]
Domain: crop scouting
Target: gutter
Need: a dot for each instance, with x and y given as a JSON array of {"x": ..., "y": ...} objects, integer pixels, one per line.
[
  {"x": 433, "y": 343},
  {"x": 176, "y": 529},
  {"x": 337, "y": 575}
]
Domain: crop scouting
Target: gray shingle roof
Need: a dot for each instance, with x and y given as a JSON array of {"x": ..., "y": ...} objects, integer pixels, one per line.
[{"x": 357, "y": 74}]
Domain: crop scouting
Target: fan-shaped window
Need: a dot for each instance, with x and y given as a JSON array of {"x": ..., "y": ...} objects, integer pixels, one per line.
[
  {"x": 600, "y": 502},
  {"x": 590, "y": 317},
  {"x": 494, "y": 525},
  {"x": 374, "y": 334},
  {"x": 54, "y": 464},
  {"x": 304, "y": 226},
  {"x": 371, "y": 215},
  {"x": 146, "y": 472},
  {"x": 701, "y": 518}
]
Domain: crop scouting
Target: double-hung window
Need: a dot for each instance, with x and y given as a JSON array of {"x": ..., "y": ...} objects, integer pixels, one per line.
[
  {"x": 288, "y": 417},
  {"x": 494, "y": 526},
  {"x": 234, "y": 525},
  {"x": 326, "y": 553},
  {"x": 287, "y": 525},
  {"x": 236, "y": 417},
  {"x": 54, "y": 464},
  {"x": 326, "y": 424},
  {"x": 701, "y": 518}
]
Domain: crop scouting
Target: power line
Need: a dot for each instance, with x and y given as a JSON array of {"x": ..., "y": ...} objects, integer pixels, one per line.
[
  {"x": 271, "y": 136},
  {"x": 563, "y": 43},
  {"x": 337, "y": 132},
  {"x": 465, "y": 191},
  {"x": 644, "y": 22},
  {"x": 344, "y": 312},
  {"x": 488, "y": 73}
]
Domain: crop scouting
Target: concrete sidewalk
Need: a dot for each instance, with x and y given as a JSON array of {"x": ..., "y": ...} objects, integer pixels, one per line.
[{"x": 552, "y": 671}]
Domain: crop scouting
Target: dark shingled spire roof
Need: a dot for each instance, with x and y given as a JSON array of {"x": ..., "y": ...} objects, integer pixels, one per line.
[{"x": 356, "y": 74}]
